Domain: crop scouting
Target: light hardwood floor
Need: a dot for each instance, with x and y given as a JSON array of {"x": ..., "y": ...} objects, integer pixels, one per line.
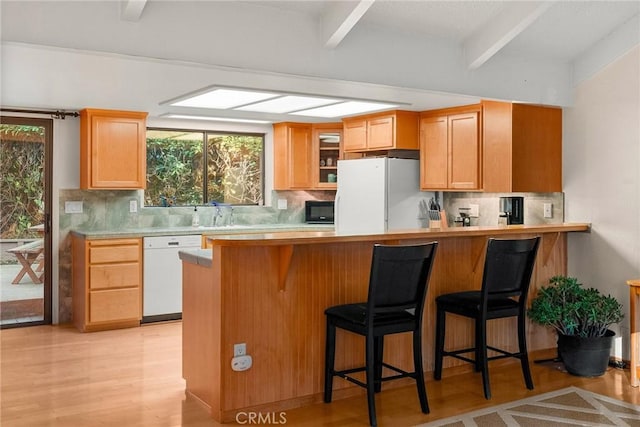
[{"x": 56, "y": 376}]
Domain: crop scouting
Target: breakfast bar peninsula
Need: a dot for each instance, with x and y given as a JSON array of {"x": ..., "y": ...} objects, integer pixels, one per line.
[{"x": 270, "y": 291}]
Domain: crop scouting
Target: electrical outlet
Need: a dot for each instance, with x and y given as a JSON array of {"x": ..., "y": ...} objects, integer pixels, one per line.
[
  {"x": 133, "y": 206},
  {"x": 474, "y": 210},
  {"x": 73, "y": 207},
  {"x": 239, "y": 349},
  {"x": 282, "y": 204},
  {"x": 548, "y": 210}
]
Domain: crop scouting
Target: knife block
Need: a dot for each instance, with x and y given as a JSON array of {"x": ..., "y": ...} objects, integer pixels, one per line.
[
  {"x": 443, "y": 220},
  {"x": 439, "y": 223},
  {"x": 435, "y": 223}
]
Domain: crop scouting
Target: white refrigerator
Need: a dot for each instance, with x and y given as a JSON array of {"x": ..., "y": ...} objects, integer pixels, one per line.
[{"x": 378, "y": 194}]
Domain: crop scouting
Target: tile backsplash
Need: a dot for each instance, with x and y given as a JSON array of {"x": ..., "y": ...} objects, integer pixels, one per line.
[
  {"x": 489, "y": 209},
  {"x": 109, "y": 210}
]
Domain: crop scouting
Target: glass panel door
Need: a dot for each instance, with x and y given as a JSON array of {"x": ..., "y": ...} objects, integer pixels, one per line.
[{"x": 25, "y": 221}]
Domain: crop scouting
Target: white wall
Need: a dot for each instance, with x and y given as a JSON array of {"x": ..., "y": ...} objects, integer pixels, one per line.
[
  {"x": 602, "y": 181},
  {"x": 66, "y": 174}
]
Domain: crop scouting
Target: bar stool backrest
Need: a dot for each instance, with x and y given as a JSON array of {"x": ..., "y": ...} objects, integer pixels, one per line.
[
  {"x": 399, "y": 278},
  {"x": 508, "y": 267}
]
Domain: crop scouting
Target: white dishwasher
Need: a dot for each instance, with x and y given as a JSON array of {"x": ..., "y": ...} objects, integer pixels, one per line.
[{"x": 162, "y": 281}]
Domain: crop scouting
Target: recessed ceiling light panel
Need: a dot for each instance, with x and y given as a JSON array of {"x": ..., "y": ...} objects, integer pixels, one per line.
[
  {"x": 224, "y": 98},
  {"x": 214, "y": 119},
  {"x": 344, "y": 109},
  {"x": 286, "y": 104}
]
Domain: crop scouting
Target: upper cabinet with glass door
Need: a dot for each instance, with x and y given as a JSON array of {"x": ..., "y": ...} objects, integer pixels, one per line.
[
  {"x": 327, "y": 138},
  {"x": 306, "y": 155}
]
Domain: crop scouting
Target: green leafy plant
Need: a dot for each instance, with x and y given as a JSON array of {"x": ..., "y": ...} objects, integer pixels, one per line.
[
  {"x": 22, "y": 180},
  {"x": 573, "y": 310},
  {"x": 176, "y": 170}
]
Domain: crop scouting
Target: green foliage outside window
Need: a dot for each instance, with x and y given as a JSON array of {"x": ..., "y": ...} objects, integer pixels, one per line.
[
  {"x": 175, "y": 168},
  {"x": 234, "y": 169},
  {"x": 22, "y": 180},
  {"x": 174, "y": 172}
]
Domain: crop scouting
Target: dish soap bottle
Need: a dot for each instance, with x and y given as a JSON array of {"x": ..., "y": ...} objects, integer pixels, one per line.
[{"x": 195, "y": 218}]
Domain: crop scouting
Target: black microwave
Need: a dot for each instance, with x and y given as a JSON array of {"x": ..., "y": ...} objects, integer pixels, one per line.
[{"x": 318, "y": 211}]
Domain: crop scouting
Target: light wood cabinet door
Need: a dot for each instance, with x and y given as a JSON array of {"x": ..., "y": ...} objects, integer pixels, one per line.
[
  {"x": 293, "y": 154},
  {"x": 522, "y": 147},
  {"x": 464, "y": 152},
  {"x": 392, "y": 130},
  {"x": 301, "y": 153},
  {"x": 114, "y": 305},
  {"x": 355, "y": 134},
  {"x": 112, "y": 149},
  {"x": 434, "y": 157},
  {"x": 451, "y": 149},
  {"x": 381, "y": 133}
]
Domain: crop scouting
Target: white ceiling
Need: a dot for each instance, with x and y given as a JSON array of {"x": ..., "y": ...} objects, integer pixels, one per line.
[
  {"x": 427, "y": 54},
  {"x": 563, "y": 32}
]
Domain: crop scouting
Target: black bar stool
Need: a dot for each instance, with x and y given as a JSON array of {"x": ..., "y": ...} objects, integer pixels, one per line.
[
  {"x": 398, "y": 284},
  {"x": 505, "y": 282}
]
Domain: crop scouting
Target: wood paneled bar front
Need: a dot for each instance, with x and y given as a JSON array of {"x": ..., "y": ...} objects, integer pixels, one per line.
[{"x": 270, "y": 292}]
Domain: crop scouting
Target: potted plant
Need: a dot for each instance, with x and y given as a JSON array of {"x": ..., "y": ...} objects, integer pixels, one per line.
[{"x": 582, "y": 318}]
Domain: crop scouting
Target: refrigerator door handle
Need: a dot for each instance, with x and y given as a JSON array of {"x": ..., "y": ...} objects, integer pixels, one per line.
[{"x": 336, "y": 213}]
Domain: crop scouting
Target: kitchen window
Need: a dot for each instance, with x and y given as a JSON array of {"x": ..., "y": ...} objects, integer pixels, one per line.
[{"x": 193, "y": 167}]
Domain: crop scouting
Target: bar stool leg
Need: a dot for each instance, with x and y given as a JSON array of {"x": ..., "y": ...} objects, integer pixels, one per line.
[
  {"x": 481, "y": 340},
  {"x": 329, "y": 361},
  {"x": 440, "y": 328},
  {"x": 524, "y": 355},
  {"x": 378, "y": 345},
  {"x": 419, "y": 372},
  {"x": 371, "y": 374}
]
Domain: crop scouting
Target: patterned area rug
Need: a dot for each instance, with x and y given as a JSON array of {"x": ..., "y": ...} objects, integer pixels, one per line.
[{"x": 570, "y": 406}]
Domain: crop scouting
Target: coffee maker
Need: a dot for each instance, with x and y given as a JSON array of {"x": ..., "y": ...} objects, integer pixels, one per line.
[{"x": 513, "y": 209}]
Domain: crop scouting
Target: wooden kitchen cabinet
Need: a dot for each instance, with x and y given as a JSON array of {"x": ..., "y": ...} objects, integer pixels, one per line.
[
  {"x": 327, "y": 138},
  {"x": 522, "y": 147},
  {"x": 305, "y": 155},
  {"x": 451, "y": 149},
  {"x": 292, "y": 156},
  {"x": 112, "y": 149},
  {"x": 390, "y": 130},
  {"x": 355, "y": 134},
  {"x": 107, "y": 283}
]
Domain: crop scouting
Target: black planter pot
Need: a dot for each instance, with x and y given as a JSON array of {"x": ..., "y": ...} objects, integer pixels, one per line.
[{"x": 585, "y": 357}]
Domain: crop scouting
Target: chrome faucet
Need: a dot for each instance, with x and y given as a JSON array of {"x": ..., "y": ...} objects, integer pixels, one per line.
[
  {"x": 218, "y": 215},
  {"x": 219, "y": 218}
]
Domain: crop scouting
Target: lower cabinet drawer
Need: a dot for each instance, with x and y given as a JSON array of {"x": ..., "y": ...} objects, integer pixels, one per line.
[
  {"x": 114, "y": 305},
  {"x": 103, "y": 276},
  {"x": 100, "y": 253}
]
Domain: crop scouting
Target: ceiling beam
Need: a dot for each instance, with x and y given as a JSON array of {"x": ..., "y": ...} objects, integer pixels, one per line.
[
  {"x": 340, "y": 18},
  {"x": 493, "y": 36},
  {"x": 131, "y": 10}
]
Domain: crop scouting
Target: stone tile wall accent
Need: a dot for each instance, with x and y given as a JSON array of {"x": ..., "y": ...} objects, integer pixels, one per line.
[
  {"x": 109, "y": 210},
  {"x": 489, "y": 206}
]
